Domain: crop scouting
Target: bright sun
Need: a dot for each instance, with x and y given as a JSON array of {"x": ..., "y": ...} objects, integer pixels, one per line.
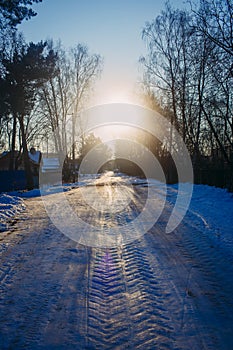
[
  {"x": 113, "y": 132},
  {"x": 118, "y": 97},
  {"x": 115, "y": 93},
  {"x": 115, "y": 118},
  {"x": 115, "y": 97}
]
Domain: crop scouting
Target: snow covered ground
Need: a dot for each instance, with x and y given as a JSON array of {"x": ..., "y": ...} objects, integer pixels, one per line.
[
  {"x": 211, "y": 208},
  {"x": 10, "y": 207},
  {"x": 161, "y": 291}
]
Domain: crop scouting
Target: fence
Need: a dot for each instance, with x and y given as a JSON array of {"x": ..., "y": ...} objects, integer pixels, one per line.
[{"x": 12, "y": 180}]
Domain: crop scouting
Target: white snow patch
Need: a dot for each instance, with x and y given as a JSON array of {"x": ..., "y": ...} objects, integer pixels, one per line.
[
  {"x": 10, "y": 206},
  {"x": 210, "y": 210},
  {"x": 214, "y": 206},
  {"x": 45, "y": 190}
]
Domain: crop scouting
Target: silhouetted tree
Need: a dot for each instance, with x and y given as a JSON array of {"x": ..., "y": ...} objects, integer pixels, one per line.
[
  {"x": 15, "y": 11},
  {"x": 214, "y": 20},
  {"x": 24, "y": 74},
  {"x": 101, "y": 151},
  {"x": 188, "y": 71},
  {"x": 66, "y": 93},
  {"x": 12, "y": 13},
  {"x": 167, "y": 64}
]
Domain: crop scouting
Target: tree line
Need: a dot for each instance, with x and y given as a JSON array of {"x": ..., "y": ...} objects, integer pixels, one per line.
[
  {"x": 43, "y": 88},
  {"x": 187, "y": 75}
]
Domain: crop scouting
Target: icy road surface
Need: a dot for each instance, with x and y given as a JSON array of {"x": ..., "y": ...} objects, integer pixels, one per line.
[{"x": 162, "y": 291}]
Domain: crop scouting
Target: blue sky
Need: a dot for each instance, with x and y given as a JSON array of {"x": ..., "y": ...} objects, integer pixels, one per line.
[{"x": 111, "y": 28}]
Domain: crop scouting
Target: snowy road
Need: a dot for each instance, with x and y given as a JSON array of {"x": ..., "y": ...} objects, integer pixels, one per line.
[{"x": 162, "y": 291}]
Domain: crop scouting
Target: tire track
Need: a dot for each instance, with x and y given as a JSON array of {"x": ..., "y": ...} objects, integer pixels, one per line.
[
  {"x": 39, "y": 304},
  {"x": 126, "y": 302},
  {"x": 195, "y": 267},
  {"x": 136, "y": 303},
  {"x": 213, "y": 284},
  {"x": 159, "y": 292}
]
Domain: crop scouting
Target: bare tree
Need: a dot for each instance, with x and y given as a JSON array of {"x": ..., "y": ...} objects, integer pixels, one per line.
[
  {"x": 213, "y": 24},
  {"x": 188, "y": 71},
  {"x": 85, "y": 70},
  {"x": 167, "y": 64},
  {"x": 214, "y": 19},
  {"x": 66, "y": 92}
]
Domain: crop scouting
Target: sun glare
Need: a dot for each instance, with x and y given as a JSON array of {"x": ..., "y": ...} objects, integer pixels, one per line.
[
  {"x": 113, "y": 132},
  {"x": 118, "y": 97},
  {"x": 116, "y": 119},
  {"x": 118, "y": 94}
]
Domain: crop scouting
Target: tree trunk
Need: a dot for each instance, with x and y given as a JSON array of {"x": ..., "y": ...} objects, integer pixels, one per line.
[
  {"x": 221, "y": 146},
  {"x": 12, "y": 158},
  {"x": 27, "y": 167}
]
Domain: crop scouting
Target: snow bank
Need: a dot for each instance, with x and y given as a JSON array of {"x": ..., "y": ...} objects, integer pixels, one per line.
[
  {"x": 214, "y": 208},
  {"x": 210, "y": 211},
  {"x": 45, "y": 190},
  {"x": 10, "y": 206}
]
